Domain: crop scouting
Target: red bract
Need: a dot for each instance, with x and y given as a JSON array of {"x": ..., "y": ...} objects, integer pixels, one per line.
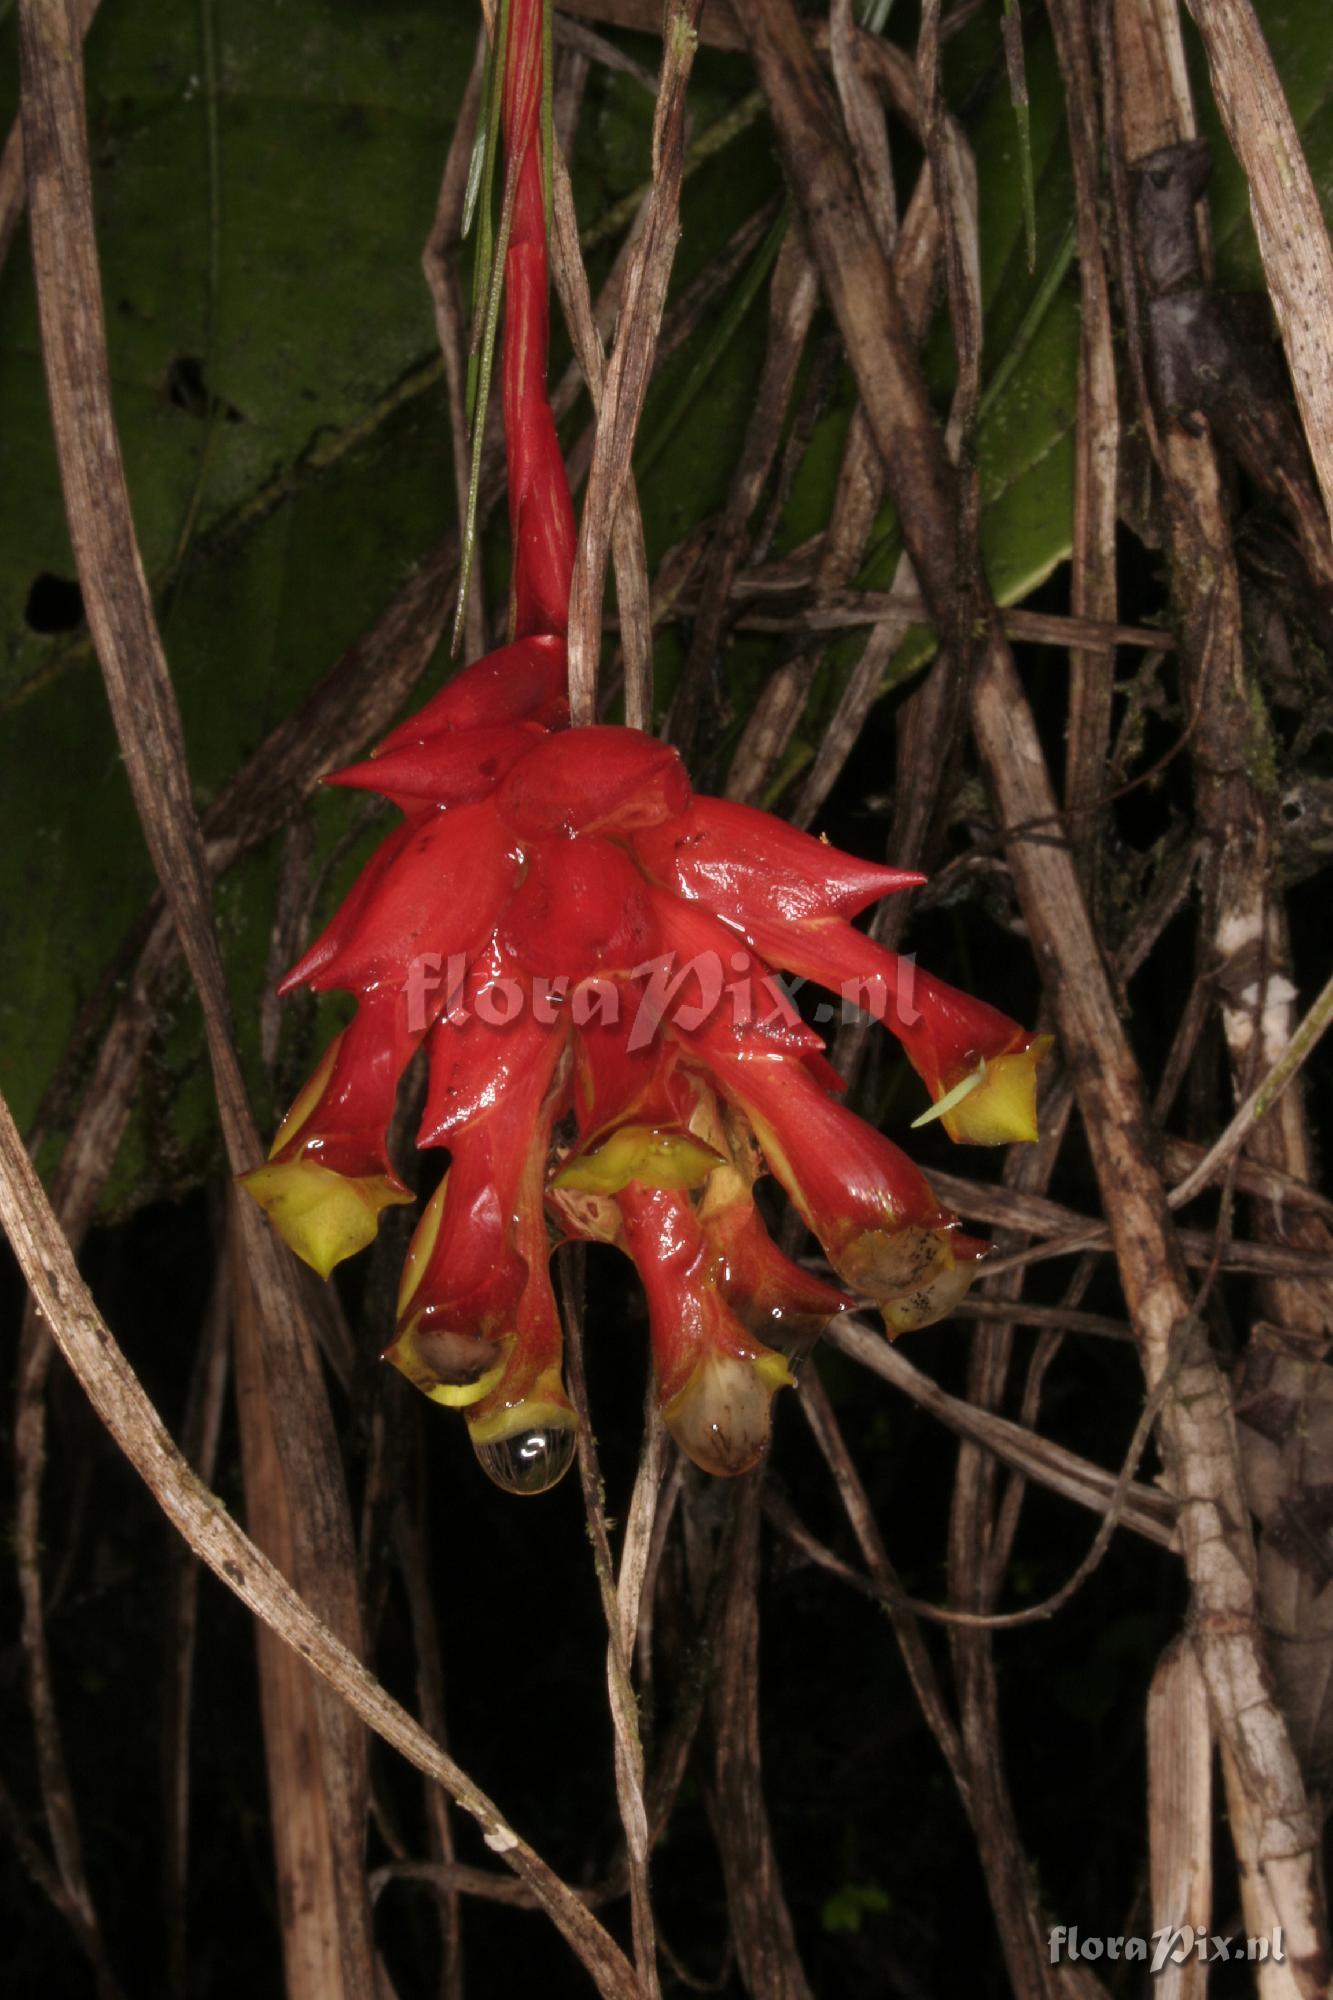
[
  {"x": 715, "y": 1378},
  {"x": 741, "y": 862},
  {"x": 581, "y": 909},
  {"x": 588, "y": 953},
  {"x": 881, "y": 1227},
  {"x": 595, "y": 780},
  {"x": 457, "y": 769},
  {"x": 525, "y": 682},
  {"x": 447, "y": 875},
  {"x": 791, "y": 898},
  {"x": 477, "y": 1321},
  {"x": 481, "y": 1050}
]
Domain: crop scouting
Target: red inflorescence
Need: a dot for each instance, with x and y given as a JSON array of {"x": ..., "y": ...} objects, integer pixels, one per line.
[{"x": 589, "y": 952}]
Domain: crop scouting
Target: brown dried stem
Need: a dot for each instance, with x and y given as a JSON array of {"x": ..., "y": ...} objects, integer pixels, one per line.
[
  {"x": 1243, "y": 940},
  {"x": 1197, "y": 1430},
  {"x": 1288, "y": 221},
  {"x": 626, "y": 380},
  {"x": 202, "y": 1429},
  {"x": 761, "y": 1922},
  {"x": 627, "y": 549},
  {"x": 620, "y": 1631},
  {"x": 65, "y": 1879},
  {"x": 118, "y": 1398},
  {"x": 306, "y": 1484}
]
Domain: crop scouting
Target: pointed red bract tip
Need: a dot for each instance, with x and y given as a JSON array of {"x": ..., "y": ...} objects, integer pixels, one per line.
[
  {"x": 438, "y": 894},
  {"x": 459, "y": 768},
  {"x": 744, "y": 864}
]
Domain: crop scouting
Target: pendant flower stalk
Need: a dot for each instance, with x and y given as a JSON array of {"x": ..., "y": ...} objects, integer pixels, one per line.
[{"x": 588, "y": 953}]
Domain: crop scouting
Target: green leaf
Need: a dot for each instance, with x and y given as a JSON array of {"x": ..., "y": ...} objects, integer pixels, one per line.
[
  {"x": 846, "y": 1909},
  {"x": 304, "y": 446},
  {"x": 262, "y": 194}
]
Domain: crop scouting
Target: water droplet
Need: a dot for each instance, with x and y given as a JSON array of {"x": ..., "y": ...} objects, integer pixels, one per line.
[{"x": 530, "y": 1461}]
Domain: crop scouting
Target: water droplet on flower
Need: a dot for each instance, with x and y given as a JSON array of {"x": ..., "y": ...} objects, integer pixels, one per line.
[{"x": 529, "y": 1461}]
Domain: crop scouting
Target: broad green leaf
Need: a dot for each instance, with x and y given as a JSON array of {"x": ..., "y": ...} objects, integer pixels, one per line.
[
  {"x": 305, "y": 447},
  {"x": 262, "y": 196}
]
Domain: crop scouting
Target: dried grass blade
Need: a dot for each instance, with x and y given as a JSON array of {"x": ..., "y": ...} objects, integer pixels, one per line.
[
  {"x": 1196, "y": 1421},
  {"x": 761, "y": 1920},
  {"x": 117, "y": 1396},
  {"x": 631, "y": 362},
  {"x": 147, "y": 722},
  {"x": 1288, "y": 220},
  {"x": 629, "y": 1767},
  {"x": 1148, "y": 1511},
  {"x": 1180, "y": 1813},
  {"x": 449, "y": 226},
  {"x": 628, "y": 554}
]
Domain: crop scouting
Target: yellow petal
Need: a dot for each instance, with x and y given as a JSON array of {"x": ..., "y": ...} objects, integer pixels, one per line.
[
  {"x": 540, "y": 1411},
  {"x": 1002, "y": 1108},
  {"x": 944, "y": 1105},
  {"x": 321, "y": 1215},
  {"x": 653, "y": 1157}
]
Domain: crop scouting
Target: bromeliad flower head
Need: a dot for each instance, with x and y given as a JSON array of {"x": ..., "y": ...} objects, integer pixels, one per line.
[{"x": 587, "y": 952}]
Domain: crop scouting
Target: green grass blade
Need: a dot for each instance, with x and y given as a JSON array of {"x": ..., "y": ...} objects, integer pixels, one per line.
[
  {"x": 484, "y": 271},
  {"x": 485, "y": 370},
  {"x": 477, "y": 163}
]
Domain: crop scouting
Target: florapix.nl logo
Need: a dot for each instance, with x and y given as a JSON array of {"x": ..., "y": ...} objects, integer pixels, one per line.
[
  {"x": 667, "y": 989},
  {"x": 1172, "y": 1944}
]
